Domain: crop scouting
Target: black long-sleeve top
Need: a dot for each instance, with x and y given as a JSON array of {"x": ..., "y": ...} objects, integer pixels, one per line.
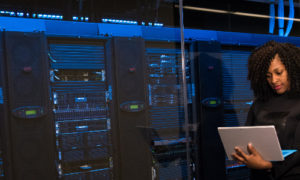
[{"x": 283, "y": 112}]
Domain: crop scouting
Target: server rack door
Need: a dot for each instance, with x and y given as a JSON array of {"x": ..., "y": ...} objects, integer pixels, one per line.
[
  {"x": 129, "y": 112},
  {"x": 29, "y": 118},
  {"x": 238, "y": 97},
  {"x": 207, "y": 76},
  {"x": 4, "y": 123},
  {"x": 78, "y": 86},
  {"x": 170, "y": 145}
]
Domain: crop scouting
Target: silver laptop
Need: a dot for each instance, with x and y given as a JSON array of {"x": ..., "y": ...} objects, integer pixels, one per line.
[{"x": 263, "y": 138}]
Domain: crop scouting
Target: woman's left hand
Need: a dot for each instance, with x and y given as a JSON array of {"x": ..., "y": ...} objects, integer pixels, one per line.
[{"x": 254, "y": 160}]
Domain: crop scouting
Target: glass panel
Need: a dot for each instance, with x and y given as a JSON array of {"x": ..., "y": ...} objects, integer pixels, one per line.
[{"x": 238, "y": 27}]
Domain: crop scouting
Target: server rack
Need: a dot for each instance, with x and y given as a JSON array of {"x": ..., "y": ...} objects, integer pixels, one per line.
[
  {"x": 206, "y": 71},
  {"x": 170, "y": 145},
  {"x": 78, "y": 87},
  {"x": 236, "y": 88},
  {"x": 129, "y": 107},
  {"x": 27, "y": 129},
  {"x": 84, "y": 75},
  {"x": 93, "y": 142},
  {"x": 4, "y": 134},
  {"x": 238, "y": 97}
]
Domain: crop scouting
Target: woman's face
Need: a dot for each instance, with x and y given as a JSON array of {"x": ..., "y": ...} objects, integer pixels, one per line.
[{"x": 277, "y": 76}]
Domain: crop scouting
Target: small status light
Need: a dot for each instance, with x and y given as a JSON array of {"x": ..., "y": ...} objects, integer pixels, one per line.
[
  {"x": 212, "y": 102},
  {"x": 133, "y": 107},
  {"x": 30, "y": 112}
]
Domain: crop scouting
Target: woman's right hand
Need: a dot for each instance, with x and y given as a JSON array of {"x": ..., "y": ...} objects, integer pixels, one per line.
[{"x": 254, "y": 160}]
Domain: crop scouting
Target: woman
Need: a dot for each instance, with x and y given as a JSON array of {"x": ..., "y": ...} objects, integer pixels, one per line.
[{"x": 274, "y": 73}]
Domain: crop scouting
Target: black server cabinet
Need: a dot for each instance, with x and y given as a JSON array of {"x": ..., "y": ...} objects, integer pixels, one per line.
[
  {"x": 4, "y": 124},
  {"x": 237, "y": 97},
  {"x": 170, "y": 146},
  {"x": 207, "y": 78},
  {"x": 27, "y": 128},
  {"x": 126, "y": 57},
  {"x": 79, "y": 94}
]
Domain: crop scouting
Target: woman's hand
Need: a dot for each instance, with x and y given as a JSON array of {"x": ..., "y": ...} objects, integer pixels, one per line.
[{"x": 253, "y": 160}]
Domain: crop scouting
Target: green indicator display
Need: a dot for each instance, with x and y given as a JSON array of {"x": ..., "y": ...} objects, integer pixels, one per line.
[
  {"x": 134, "y": 106},
  {"x": 30, "y": 112},
  {"x": 212, "y": 102}
]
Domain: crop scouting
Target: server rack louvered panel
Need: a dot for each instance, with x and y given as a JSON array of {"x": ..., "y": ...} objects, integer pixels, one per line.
[
  {"x": 2, "y": 177},
  {"x": 80, "y": 109},
  {"x": 236, "y": 88},
  {"x": 237, "y": 100},
  {"x": 164, "y": 80}
]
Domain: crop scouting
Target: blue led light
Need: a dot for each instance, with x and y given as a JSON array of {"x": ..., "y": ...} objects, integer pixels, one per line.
[
  {"x": 158, "y": 24},
  {"x": 81, "y": 18},
  {"x": 75, "y": 18},
  {"x": 291, "y": 18},
  {"x": 46, "y": 16},
  {"x": 150, "y": 24},
  {"x": 86, "y": 19},
  {"x": 20, "y": 14},
  {"x": 119, "y": 21}
]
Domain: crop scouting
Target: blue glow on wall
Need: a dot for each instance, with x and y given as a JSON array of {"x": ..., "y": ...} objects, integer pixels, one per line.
[
  {"x": 272, "y": 17},
  {"x": 291, "y": 18},
  {"x": 280, "y": 17}
]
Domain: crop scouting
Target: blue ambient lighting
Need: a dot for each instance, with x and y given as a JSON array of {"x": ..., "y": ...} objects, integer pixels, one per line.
[
  {"x": 119, "y": 21},
  {"x": 48, "y": 16},
  {"x": 75, "y": 18},
  {"x": 291, "y": 18},
  {"x": 20, "y": 14},
  {"x": 158, "y": 24}
]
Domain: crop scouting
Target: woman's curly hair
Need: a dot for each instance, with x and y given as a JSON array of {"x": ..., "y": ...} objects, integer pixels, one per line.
[{"x": 260, "y": 60}]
